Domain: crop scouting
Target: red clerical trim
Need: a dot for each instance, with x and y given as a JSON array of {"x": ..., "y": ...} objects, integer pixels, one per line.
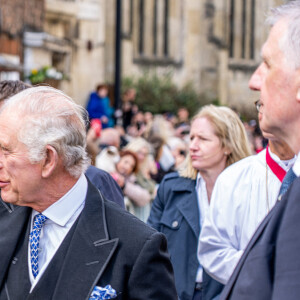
[{"x": 273, "y": 165}]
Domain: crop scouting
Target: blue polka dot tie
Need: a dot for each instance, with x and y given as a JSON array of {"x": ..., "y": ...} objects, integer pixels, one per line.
[{"x": 34, "y": 239}]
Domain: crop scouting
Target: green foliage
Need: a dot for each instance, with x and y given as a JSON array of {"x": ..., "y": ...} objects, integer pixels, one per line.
[
  {"x": 46, "y": 72},
  {"x": 159, "y": 94}
]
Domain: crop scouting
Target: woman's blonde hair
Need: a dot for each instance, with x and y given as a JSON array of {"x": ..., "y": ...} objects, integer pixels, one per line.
[
  {"x": 230, "y": 131},
  {"x": 136, "y": 145}
]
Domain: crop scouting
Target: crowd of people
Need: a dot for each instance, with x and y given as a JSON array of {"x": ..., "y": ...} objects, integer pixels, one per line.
[
  {"x": 155, "y": 145},
  {"x": 215, "y": 200}
]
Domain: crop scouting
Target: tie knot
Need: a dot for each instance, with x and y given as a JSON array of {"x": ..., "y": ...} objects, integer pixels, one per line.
[{"x": 39, "y": 221}]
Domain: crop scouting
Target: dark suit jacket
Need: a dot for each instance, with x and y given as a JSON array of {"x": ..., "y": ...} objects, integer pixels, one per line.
[
  {"x": 270, "y": 265},
  {"x": 106, "y": 184},
  {"x": 108, "y": 246},
  {"x": 175, "y": 213}
]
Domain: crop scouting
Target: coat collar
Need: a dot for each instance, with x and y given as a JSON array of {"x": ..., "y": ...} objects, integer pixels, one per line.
[
  {"x": 189, "y": 204},
  {"x": 184, "y": 184}
]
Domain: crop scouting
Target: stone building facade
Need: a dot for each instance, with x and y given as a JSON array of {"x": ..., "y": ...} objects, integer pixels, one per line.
[
  {"x": 17, "y": 16},
  {"x": 81, "y": 26},
  {"x": 213, "y": 44}
]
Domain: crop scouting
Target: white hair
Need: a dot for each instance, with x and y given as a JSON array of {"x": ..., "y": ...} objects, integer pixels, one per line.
[
  {"x": 136, "y": 145},
  {"x": 174, "y": 142},
  {"x": 49, "y": 117},
  {"x": 290, "y": 44}
]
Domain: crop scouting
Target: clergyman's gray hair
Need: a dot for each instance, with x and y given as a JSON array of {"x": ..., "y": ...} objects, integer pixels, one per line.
[
  {"x": 290, "y": 44},
  {"x": 49, "y": 117}
]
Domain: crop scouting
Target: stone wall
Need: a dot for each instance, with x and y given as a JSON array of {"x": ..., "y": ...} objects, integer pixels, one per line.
[
  {"x": 206, "y": 43},
  {"x": 15, "y": 17}
]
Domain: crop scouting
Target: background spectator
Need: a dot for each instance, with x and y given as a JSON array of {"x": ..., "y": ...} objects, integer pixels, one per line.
[
  {"x": 143, "y": 177},
  {"x": 129, "y": 108},
  {"x": 179, "y": 151},
  {"x": 99, "y": 107}
]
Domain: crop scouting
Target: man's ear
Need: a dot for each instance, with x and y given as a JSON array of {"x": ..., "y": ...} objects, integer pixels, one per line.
[{"x": 50, "y": 162}]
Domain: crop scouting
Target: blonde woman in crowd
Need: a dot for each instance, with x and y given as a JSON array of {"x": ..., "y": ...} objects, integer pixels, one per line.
[
  {"x": 217, "y": 139},
  {"x": 141, "y": 207}
]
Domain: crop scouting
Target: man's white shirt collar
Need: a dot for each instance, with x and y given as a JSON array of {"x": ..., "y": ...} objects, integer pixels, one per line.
[{"x": 62, "y": 210}]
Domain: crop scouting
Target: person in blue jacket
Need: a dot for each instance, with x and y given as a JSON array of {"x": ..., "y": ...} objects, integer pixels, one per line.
[
  {"x": 217, "y": 139},
  {"x": 98, "y": 106}
]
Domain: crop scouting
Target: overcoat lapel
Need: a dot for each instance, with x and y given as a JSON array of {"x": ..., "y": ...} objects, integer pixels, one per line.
[
  {"x": 13, "y": 220},
  {"x": 189, "y": 205},
  {"x": 89, "y": 252}
]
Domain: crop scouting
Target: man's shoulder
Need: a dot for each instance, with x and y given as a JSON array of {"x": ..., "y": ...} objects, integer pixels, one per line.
[
  {"x": 241, "y": 174},
  {"x": 252, "y": 162},
  {"x": 106, "y": 184},
  {"x": 98, "y": 177},
  {"x": 93, "y": 171},
  {"x": 249, "y": 160},
  {"x": 120, "y": 221},
  {"x": 133, "y": 234}
]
